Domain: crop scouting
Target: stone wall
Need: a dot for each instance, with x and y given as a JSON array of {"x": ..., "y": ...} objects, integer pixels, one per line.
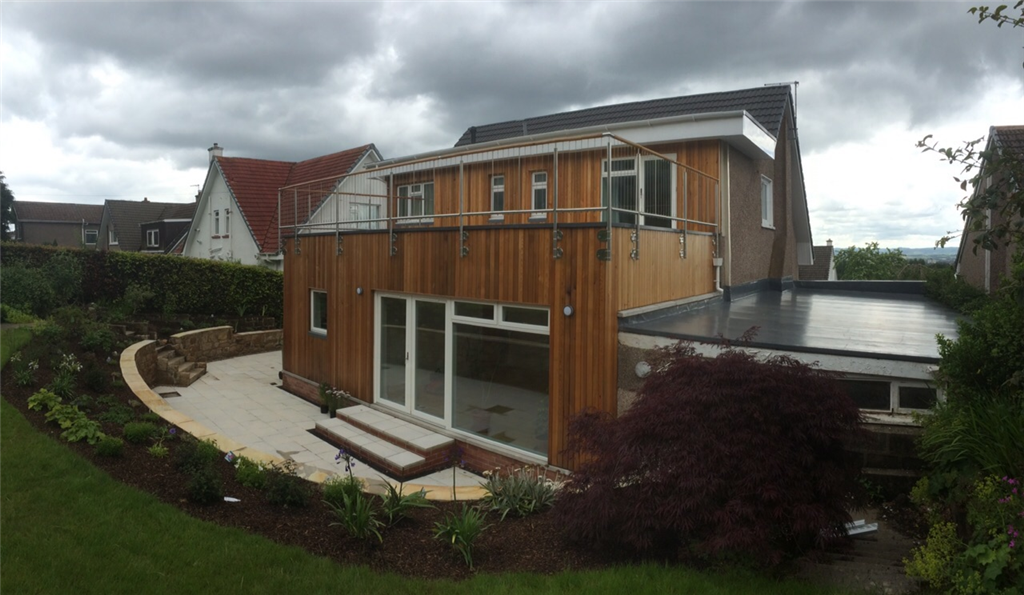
[
  {"x": 145, "y": 362},
  {"x": 211, "y": 344}
]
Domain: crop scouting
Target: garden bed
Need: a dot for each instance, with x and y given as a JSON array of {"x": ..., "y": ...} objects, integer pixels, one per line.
[{"x": 531, "y": 544}]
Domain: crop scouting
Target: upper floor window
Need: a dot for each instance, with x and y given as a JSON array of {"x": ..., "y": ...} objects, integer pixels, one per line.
[
  {"x": 90, "y": 237},
  {"x": 111, "y": 237},
  {"x": 318, "y": 312},
  {"x": 152, "y": 238},
  {"x": 227, "y": 221},
  {"x": 416, "y": 199},
  {"x": 366, "y": 213},
  {"x": 539, "y": 190},
  {"x": 498, "y": 192},
  {"x": 648, "y": 191},
  {"x": 767, "y": 206},
  {"x": 216, "y": 223}
]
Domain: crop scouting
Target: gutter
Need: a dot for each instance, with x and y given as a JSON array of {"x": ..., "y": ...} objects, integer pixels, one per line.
[{"x": 562, "y": 135}]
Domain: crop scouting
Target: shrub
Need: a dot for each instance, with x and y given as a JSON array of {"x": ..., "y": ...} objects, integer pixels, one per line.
[
  {"x": 731, "y": 455},
  {"x": 250, "y": 473},
  {"x": 285, "y": 488},
  {"x": 158, "y": 450},
  {"x": 84, "y": 403},
  {"x": 27, "y": 289},
  {"x": 43, "y": 399},
  {"x": 95, "y": 378},
  {"x": 460, "y": 530},
  {"x": 522, "y": 491},
  {"x": 64, "y": 272},
  {"x": 138, "y": 432},
  {"x": 395, "y": 505},
  {"x": 99, "y": 339},
  {"x": 204, "y": 487},
  {"x": 25, "y": 375},
  {"x": 14, "y": 316},
  {"x": 110, "y": 446},
  {"x": 118, "y": 413},
  {"x": 335, "y": 488},
  {"x": 151, "y": 417},
  {"x": 63, "y": 385},
  {"x": 356, "y": 515},
  {"x": 76, "y": 425},
  {"x": 193, "y": 455}
]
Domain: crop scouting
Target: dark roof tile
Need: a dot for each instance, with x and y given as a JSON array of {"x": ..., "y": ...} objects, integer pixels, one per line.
[
  {"x": 126, "y": 217},
  {"x": 822, "y": 264},
  {"x": 767, "y": 105},
  {"x": 58, "y": 211}
]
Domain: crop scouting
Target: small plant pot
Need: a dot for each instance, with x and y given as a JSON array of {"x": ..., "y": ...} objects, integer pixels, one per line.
[{"x": 323, "y": 408}]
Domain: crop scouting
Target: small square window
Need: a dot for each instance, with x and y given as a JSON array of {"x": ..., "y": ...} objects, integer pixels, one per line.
[
  {"x": 318, "y": 312},
  {"x": 767, "y": 203},
  {"x": 90, "y": 237},
  {"x": 472, "y": 310},
  {"x": 152, "y": 238}
]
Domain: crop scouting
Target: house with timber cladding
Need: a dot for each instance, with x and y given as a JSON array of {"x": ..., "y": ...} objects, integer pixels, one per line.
[{"x": 484, "y": 300}]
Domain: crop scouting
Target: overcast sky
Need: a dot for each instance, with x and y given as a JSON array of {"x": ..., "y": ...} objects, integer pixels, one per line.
[{"x": 121, "y": 100}]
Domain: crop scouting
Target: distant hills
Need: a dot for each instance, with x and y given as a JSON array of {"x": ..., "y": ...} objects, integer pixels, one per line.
[{"x": 946, "y": 255}]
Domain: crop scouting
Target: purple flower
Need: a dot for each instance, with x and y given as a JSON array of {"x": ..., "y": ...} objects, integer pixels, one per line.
[{"x": 172, "y": 431}]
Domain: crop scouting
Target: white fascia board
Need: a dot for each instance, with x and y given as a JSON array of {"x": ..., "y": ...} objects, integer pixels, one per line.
[
  {"x": 737, "y": 128},
  {"x": 863, "y": 366}
]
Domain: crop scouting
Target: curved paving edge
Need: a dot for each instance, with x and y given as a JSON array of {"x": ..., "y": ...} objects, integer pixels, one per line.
[{"x": 157, "y": 404}]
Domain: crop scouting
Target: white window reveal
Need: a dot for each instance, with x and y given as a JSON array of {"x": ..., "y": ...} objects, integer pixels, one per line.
[
  {"x": 416, "y": 200},
  {"x": 900, "y": 396},
  {"x": 90, "y": 237},
  {"x": 539, "y": 192},
  {"x": 497, "y": 195},
  {"x": 111, "y": 237},
  {"x": 318, "y": 312},
  {"x": 152, "y": 238},
  {"x": 767, "y": 203}
]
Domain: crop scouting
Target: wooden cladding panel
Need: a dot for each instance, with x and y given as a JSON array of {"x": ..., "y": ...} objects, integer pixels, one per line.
[
  {"x": 503, "y": 265},
  {"x": 579, "y": 184},
  {"x": 660, "y": 275}
]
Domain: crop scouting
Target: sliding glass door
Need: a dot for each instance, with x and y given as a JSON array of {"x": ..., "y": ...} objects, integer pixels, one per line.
[{"x": 473, "y": 367}]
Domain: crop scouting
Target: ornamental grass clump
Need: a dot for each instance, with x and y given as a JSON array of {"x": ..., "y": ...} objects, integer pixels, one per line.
[
  {"x": 734, "y": 457},
  {"x": 395, "y": 504},
  {"x": 460, "y": 530},
  {"x": 522, "y": 491}
]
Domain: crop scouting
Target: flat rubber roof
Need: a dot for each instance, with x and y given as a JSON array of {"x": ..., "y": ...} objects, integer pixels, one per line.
[{"x": 878, "y": 325}]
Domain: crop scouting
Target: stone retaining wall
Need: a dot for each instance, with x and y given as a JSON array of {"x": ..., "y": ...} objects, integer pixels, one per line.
[
  {"x": 221, "y": 342},
  {"x": 145, "y": 361}
]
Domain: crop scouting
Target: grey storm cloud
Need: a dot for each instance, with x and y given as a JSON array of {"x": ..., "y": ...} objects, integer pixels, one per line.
[{"x": 295, "y": 80}]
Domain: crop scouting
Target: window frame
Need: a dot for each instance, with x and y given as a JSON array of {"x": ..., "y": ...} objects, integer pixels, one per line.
[
  {"x": 536, "y": 187},
  {"x": 638, "y": 173},
  {"x": 152, "y": 238},
  {"x": 313, "y": 328},
  {"x": 216, "y": 223},
  {"x": 112, "y": 237},
  {"x": 767, "y": 203},
  {"x": 405, "y": 202},
  {"x": 85, "y": 236},
  {"x": 497, "y": 189}
]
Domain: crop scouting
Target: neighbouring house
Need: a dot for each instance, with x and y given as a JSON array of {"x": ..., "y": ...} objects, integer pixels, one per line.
[
  {"x": 63, "y": 224},
  {"x": 976, "y": 265},
  {"x": 237, "y": 215},
  {"x": 144, "y": 226},
  {"x": 824, "y": 266},
  {"x": 486, "y": 307}
]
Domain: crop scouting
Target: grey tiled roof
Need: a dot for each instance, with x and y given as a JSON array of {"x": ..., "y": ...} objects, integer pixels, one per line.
[
  {"x": 1010, "y": 138},
  {"x": 58, "y": 212},
  {"x": 127, "y": 215},
  {"x": 819, "y": 270},
  {"x": 767, "y": 105}
]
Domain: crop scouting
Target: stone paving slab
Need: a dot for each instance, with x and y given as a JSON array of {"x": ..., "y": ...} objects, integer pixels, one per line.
[{"x": 239, "y": 403}]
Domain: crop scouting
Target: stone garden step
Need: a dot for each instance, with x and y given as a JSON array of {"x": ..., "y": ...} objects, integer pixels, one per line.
[{"x": 379, "y": 453}]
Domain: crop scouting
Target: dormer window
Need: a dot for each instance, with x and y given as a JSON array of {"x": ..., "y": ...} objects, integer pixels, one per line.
[{"x": 152, "y": 238}]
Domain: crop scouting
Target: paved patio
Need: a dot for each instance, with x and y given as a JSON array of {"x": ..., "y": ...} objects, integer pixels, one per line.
[{"x": 240, "y": 398}]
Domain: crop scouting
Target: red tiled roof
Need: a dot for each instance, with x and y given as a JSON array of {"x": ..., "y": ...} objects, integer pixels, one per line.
[
  {"x": 255, "y": 182},
  {"x": 57, "y": 211}
]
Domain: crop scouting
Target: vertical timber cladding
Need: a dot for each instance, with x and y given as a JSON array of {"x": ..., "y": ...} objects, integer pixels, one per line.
[
  {"x": 512, "y": 265},
  {"x": 660, "y": 275}
]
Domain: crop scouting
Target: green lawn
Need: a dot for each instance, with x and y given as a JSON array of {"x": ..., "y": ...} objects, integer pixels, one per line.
[{"x": 68, "y": 527}]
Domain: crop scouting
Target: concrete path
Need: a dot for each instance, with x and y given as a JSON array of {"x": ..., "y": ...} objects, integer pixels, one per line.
[{"x": 240, "y": 398}]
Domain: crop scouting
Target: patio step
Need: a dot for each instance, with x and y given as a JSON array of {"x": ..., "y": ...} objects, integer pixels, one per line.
[
  {"x": 402, "y": 449},
  {"x": 173, "y": 369}
]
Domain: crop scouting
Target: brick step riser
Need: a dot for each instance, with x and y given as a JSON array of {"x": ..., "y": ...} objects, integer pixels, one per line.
[{"x": 429, "y": 465}]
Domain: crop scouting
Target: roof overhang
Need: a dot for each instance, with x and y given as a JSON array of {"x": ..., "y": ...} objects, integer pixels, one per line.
[{"x": 737, "y": 128}]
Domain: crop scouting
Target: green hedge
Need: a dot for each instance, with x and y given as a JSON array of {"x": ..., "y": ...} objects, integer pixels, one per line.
[{"x": 179, "y": 285}]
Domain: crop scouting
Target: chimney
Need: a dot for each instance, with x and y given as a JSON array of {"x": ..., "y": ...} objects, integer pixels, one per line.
[
  {"x": 145, "y": 199},
  {"x": 215, "y": 151},
  {"x": 472, "y": 135},
  {"x": 829, "y": 243}
]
